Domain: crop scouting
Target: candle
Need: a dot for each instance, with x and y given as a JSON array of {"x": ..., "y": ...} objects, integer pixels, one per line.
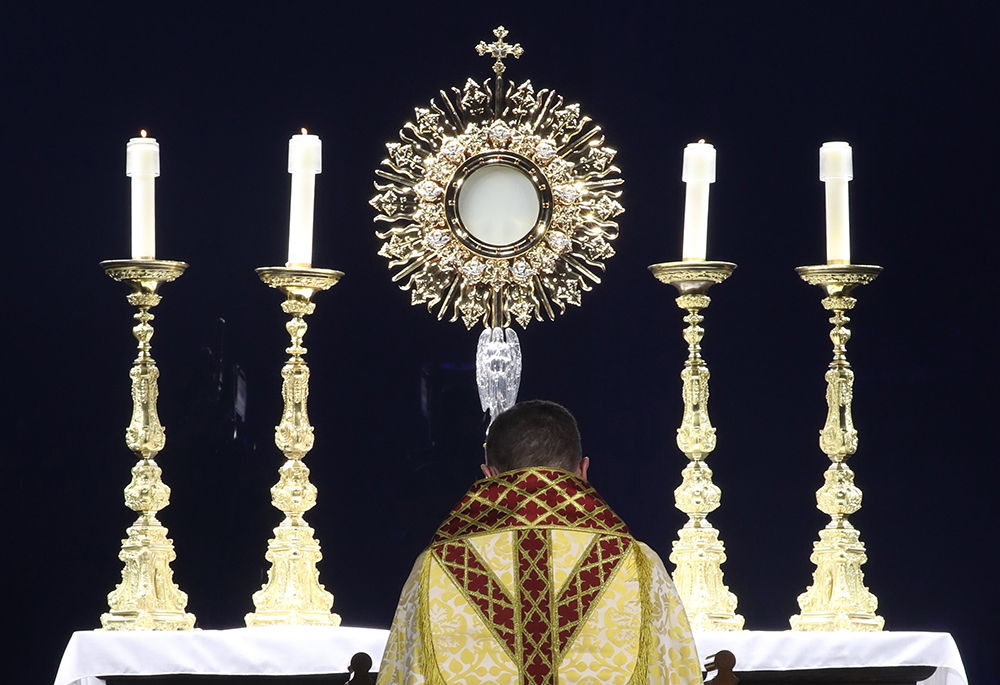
[
  {"x": 142, "y": 165},
  {"x": 305, "y": 155},
  {"x": 836, "y": 169},
  {"x": 698, "y": 173}
]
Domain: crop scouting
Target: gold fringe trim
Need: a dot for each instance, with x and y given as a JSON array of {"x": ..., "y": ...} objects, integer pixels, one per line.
[
  {"x": 645, "y": 572},
  {"x": 432, "y": 672}
]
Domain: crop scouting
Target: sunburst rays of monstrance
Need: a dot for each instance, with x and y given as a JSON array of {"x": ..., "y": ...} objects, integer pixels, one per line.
[{"x": 499, "y": 204}]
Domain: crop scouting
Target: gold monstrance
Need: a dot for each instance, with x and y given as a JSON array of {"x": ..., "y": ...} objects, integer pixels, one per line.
[{"x": 500, "y": 205}]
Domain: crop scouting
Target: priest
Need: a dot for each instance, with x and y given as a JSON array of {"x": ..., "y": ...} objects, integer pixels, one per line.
[{"x": 532, "y": 579}]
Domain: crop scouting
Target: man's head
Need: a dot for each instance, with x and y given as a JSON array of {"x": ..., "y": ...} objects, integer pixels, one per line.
[{"x": 534, "y": 433}]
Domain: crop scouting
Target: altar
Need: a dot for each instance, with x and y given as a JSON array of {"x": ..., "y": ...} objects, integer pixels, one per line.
[
  {"x": 95, "y": 657},
  {"x": 496, "y": 206}
]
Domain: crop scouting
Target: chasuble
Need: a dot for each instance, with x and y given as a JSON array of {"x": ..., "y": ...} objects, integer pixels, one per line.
[{"x": 533, "y": 580}]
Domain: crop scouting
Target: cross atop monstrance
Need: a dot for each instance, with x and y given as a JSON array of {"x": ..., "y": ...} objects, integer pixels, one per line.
[{"x": 500, "y": 49}]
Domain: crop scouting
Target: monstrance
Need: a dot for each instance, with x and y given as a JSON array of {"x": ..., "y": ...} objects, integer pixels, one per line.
[{"x": 500, "y": 206}]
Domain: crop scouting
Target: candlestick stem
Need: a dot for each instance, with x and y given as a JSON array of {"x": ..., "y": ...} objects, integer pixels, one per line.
[
  {"x": 838, "y": 598},
  {"x": 147, "y": 598},
  {"x": 698, "y": 553},
  {"x": 293, "y": 594}
]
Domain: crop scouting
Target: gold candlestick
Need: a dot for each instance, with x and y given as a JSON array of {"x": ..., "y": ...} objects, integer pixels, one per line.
[
  {"x": 293, "y": 594},
  {"x": 699, "y": 552},
  {"x": 838, "y": 599},
  {"x": 147, "y": 598}
]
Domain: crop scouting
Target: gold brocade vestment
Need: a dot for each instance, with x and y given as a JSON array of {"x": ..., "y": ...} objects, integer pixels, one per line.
[{"x": 533, "y": 580}]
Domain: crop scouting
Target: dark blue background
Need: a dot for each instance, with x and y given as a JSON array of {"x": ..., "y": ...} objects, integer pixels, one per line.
[{"x": 222, "y": 86}]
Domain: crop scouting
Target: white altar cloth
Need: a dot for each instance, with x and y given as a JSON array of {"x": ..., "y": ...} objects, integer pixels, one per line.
[
  {"x": 271, "y": 650},
  {"x": 758, "y": 650},
  {"x": 314, "y": 650}
]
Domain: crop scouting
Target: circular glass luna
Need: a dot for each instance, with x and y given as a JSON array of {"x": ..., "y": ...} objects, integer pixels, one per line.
[{"x": 498, "y": 204}]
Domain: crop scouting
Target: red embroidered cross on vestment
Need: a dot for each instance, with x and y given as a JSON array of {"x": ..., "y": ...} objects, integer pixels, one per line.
[{"x": 534, "y": 625}]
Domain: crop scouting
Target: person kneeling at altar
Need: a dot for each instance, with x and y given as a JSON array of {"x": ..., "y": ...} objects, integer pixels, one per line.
[{"x": 533, "y": 579}]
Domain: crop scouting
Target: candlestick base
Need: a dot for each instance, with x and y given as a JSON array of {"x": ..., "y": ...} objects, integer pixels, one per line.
[
  {"x": 838, "y": 598},
  {"x": 147, "y": 598},
  {"x": 698, "y": 553},
  {"x": 293, "y": 594}
]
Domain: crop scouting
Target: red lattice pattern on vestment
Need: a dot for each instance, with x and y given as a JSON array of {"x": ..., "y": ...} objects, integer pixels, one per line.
[
  {"x": 482, "y": 588},
  {"x": 523, "y": 622},
  {"x": 579, "y": 594},
  {"x": 530, "y": 498},
  {"x": 531, "y": 562}
]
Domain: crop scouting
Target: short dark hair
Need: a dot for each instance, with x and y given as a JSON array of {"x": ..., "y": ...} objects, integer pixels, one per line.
[{"x": 534, "y": 433}]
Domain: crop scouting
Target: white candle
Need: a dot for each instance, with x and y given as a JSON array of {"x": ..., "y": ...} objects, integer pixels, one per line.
[
  {"x": 698, "y": 173},
  {"x": 305, "y": 155},
  {"x": 142, "y": 165},
  {"x": 836, "y": 169}
]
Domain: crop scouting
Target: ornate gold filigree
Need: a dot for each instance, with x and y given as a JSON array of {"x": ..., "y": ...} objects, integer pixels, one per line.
[
  {"x": 696, "y": 436},
  {"x": 841, "y": 303},
  {"x": 147, "y": 598},
  {"x": 148, "y": 272},
  {"x": 839, "y": 274},
  {"x": 293, "y": 594},
  {"x": 838, "y": 497},
  {"x": 693, "y": 301},
  {"x": 698, "y": 552},
  {"x": 499, "y": 49},
  {"x": 697, "y": 495},
  {"x": 838, "y": 598},
  {"x": 694, "y": 274},
  {"x": 293, "y": 278},
  {"x": 562, "y": 152}
]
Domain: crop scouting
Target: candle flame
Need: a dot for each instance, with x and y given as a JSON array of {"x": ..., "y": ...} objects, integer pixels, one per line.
[
  {"x": 142, "y": 133},
  {"x": 701, "y": 140},
  {"x": 304, "y": 131}
]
